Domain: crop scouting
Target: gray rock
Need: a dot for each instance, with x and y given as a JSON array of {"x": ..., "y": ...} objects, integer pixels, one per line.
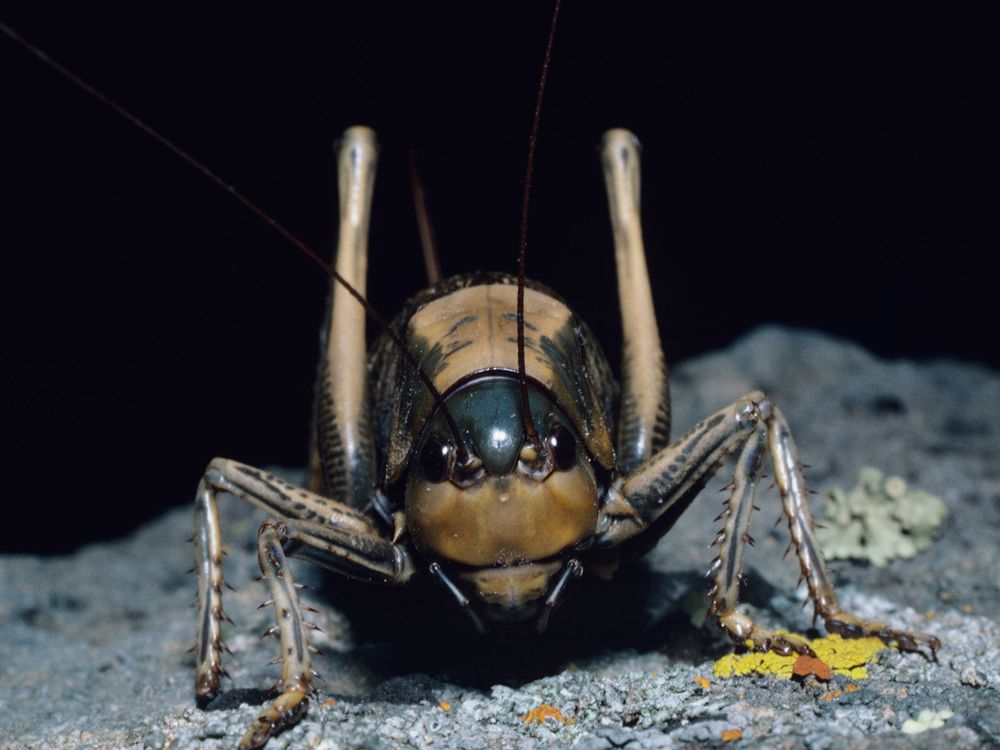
[{"x": 94, "y": 644}]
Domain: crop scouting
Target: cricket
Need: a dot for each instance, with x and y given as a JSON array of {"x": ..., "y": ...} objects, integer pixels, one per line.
[{"x": 484, "y": 441}]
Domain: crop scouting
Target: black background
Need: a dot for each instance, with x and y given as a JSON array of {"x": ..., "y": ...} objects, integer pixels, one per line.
[{"x": 832, "y": 172}]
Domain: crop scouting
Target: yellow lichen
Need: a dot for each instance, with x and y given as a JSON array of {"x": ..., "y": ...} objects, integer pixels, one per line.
[{"x": 847, "y": 657}]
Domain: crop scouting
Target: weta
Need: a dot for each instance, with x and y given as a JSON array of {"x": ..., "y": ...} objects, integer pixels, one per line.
[
  {"x": 484, "y": 442},
  {"x": 503, "y": 488}
]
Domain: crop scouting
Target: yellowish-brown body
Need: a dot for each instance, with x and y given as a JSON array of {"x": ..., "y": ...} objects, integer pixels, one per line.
[
  {"x": 510, "y": 526},
  {"x": 503, "y": 520}
]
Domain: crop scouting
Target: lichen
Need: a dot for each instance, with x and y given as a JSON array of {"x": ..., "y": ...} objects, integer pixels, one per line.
[
  {"x": 847, "y": 657},
  {"x": 879, "y": 520},
  {"x": 810, "y": 665},
  {"x": 926, "y": 720},
  {"x": 540, "y": 714}
]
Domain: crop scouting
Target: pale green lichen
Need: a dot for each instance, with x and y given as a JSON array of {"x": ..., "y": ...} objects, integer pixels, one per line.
[
  {"x": 927, "y": 720},
  {"x": 879, "y": 520}
]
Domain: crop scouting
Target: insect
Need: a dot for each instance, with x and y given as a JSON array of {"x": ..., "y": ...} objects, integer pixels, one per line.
[
  {"x": 505, "y": 519},
  {"x": 503, "y": 494}
]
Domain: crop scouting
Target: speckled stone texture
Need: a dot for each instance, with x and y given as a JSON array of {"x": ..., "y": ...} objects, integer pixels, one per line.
[{"x": 94, "y": 646}]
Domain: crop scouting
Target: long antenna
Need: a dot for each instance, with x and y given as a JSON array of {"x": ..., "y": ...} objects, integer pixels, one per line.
[
  {"x": 529, "y": 422},
  {"x": 266, "y": 218},
  {"x": 432, "y": 263}
]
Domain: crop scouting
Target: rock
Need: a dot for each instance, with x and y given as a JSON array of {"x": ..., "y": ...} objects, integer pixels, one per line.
[{"x": 94, "y": 647}]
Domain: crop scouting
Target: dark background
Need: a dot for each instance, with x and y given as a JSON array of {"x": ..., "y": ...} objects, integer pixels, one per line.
[{"x": 836, "y": 173}]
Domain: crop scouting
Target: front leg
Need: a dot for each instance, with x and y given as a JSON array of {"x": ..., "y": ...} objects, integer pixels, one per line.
[
  {"x": 290, "y": 625},
  {"x": 307, "y": 525},
  {"x": 788, "y": 476},
  {"x": 753, "y": 426}
]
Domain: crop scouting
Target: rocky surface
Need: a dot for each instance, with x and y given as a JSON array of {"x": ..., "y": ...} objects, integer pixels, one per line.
[{"x": 94, "y": 644}]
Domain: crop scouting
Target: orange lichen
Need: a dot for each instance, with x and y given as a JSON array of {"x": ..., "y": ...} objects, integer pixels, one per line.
[
  {"x": 539, "y": 715},
  {"x": 731, "y": 735},
  {"x": 702, "y": 682},
  {"x": 444, "y": 705},
  {"x": 846, "y": 657},
  {"x": 810, "y": 665},
  {"x": 852, "y": 688},
  {"x": 329, "y": 702}
]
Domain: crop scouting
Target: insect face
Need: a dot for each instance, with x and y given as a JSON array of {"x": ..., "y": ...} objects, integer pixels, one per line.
[{"x": 509, "y": 505}]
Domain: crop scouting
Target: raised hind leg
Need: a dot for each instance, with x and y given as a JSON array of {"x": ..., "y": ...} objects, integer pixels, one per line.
[
  {"x": 342, "y": 456},
  {"x": 644, "y": 418}
]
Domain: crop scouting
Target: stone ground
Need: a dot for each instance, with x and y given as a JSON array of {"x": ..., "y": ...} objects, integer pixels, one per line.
[{"x": 94, "y": 647}]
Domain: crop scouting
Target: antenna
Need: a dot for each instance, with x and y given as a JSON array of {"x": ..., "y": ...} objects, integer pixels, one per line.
[
  {"x": 299, "y": 245},
  {"x": 529, "y": 422},
  {"x": 432, "y": 263}
]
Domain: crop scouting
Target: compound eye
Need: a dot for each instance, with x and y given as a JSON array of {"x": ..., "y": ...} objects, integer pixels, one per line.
[
  {"x": 436, "y": 459},
  {"x": 562, "y": 446}
]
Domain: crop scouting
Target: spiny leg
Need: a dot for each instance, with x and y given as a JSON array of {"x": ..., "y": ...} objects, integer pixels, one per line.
[
  {"x": 788, "y": 477},
  {"x": 366, "y": 557},
  {"x": 273, "y": 495},
  {"x": 296, "y": 669},
  {"x": 322, "y": 530},
  {"x": 679, "y": 471},
  {"x": 726, "y": 569},
  {"x": 673, "y": 474},
  {"x": 208, "y": 565}
]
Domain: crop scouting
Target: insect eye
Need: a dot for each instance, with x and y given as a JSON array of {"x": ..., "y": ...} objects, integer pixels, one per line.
[
  {"x": 436, "y": 459},
  {"x": 562, "y": 446}
]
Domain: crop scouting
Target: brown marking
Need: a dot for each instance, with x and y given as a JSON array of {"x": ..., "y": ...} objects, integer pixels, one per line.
[{"x": 487, "y": 342}]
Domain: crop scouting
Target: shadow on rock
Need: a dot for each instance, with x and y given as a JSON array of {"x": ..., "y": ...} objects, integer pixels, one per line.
[{"x": 418, "y": 630}]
